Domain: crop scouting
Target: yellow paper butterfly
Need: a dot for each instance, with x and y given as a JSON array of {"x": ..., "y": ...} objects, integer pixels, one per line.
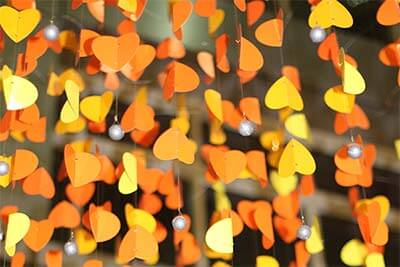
[
  {"x": 219, "y": 237},
  {"x": 96, "y": 108}
]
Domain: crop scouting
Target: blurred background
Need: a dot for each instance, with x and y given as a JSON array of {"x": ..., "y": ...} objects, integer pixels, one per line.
[{"x": 380, "y": 102}]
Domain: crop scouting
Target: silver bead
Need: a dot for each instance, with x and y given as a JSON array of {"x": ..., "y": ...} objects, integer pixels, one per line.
[
  {"x": 354, "y": 150},
  {"x": 70, "y": 247},
  {"x": 317, "y": 34},
  {"x": 1, "y": 235},
  {"x": 4, "y": 168},
  {"x": 179, "y": 223},
  {"x": 304, "y": 232},
  {"x": 246, "y": 127},
  {"x": 115, "y": 132},
  {"x": 51, "y": 32}
]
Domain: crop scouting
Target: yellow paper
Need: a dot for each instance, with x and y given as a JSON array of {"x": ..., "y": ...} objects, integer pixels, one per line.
[
  {"x": 139, "y": 217},
  {"x": 297, "y": 125},
  {"x": 17, "y": 228},
  {"x": 283, "y": 94},
  {"x": 296, "y": 158},
  {"x": 283, "y": 185},
  {"x": 127, "y": 183},
  {"x": 266, "y": 261},
  {"x": 330, "y": 13},
  {"x": 19, "y": 93},
  {"x": 85, "y": 241},
  {"x": 70, "y": 110},
  {"x": 338, "y": 100},
  {"x": 215, "y": 20},
  {"x": 213, "y": 101},
  {"x": 352, "y": 80},
  {"x": 315, "y": 244},
  {"x": 72, "y": 127},
  {"x": 96, "y": 108},
  {"x": 353, "y": 253},
  {"x": 397, "y": 147},
  {"x": 128, "y": 5},
  {"x": 18, "y": 24},
  {"x": 219, "y": 237},
  {"x": 68, "y": 40},
  {"x": 217, "y": 134},
  {"x": 375, "y": 260}
]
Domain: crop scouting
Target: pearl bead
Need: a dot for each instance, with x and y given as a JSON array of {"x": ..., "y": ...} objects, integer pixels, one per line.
[
  {"x": 1, "y": 235},
  {"x": 179, "y": 223},
  {"x": 4, "y": 168},
  {"x": 70, "y": 247},
  {"x": 246, "y": 127},
  {"x": 317, "y": 34},
  {"x": 115, "y": 132},
  {"x": 304, "y": 232},
  {"x": 354, "y": 151},
  {"x": 51, "y": 32}
]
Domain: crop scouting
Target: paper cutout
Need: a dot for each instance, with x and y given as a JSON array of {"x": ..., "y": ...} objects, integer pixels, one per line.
[
  {"x": 330, "y": 13},
  {"x": 353, "y": 253},
  {"x": 85, "y": 241},
  {"x": 255, "y": 9},
  {"x": 19, "y": 93},
  {"x": 269, "y": 261},
  {"x": 227, "y": 165},
  {"x": 388, "y": 13},
  {"x": 18, "y": 260},
  {"x": 70, "y": 110},
  {"x": 138, "y": 116},
  {"x": 338, "y": 100},
  {"x": 39, "y": 183},
  {"x": 215, "y": 21},
  {"x": 115, "y": 52},
  {"x": 96, "y": 108},
  {"x": 173, "y": 144},
  {"x": 213, "y": 101},
  {"x": 127, "y": 183},
  {"x": 82, "y": 167},
  {"x": 296, "y": 158},
  {"x": 131, "y": 248},
  {"x": 315, "y": 243},
  {"x": 205, "y": 8},
  {"x": 39, "y": 234},
  {"x": 18, "y": 24},
  {"x": 64, "y": 214},
  {"x": 104, "y": 224},
  {"x": 375, "y": 260},
  {"x": 250, "y": 58},
  {"x": 81, "y": 195},
  {"x": 283, "y": 94},
  {"x": 219, "y": 236},
  {"x": 270, "y": 32},
  {"x": 139, "y": 217},
  {"x": 53, "y": 258},
  {"x": 17, "y": 228},
  {"x": 283, "y": 185},
  {"x": 297, "y": 125}
]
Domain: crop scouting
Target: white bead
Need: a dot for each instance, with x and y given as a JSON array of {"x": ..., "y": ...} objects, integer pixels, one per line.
[
  {"x": 1, "y": 235},
  {"x": 70, "y": 247},
  {"x": 179, "y": 223},
  {"x": 115, "y": 132},
  {"x": 246, "y": 127},
  {"x": 354, "y": 151},
  {"x": 51, "y": 32},
  {"x": 317, "y": 34},
  {"x": 304, "y": 232},
  {"x": 4, "y": 168}
]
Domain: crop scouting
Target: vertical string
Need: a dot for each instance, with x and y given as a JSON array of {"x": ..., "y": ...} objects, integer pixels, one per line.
[{"x": 52, "y": 11}]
